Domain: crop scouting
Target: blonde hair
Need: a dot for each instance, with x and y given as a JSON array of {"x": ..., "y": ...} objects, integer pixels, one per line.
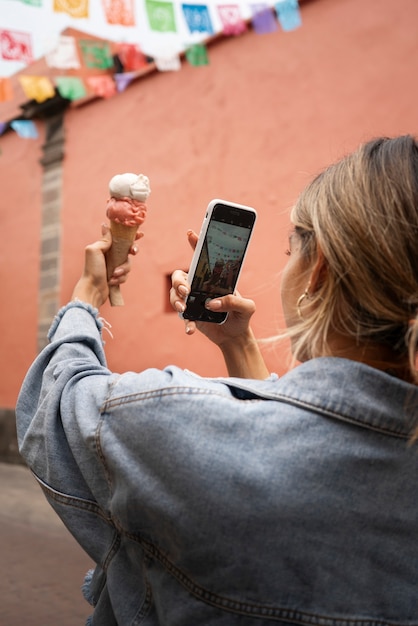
[{"x": 362, "y": 215}]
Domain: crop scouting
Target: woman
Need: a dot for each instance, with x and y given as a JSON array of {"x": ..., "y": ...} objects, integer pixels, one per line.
[{"x": 253, "y": 500}]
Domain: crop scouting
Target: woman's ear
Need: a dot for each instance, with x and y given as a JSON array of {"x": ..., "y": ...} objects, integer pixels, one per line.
[{"x": 319, "y": 272}]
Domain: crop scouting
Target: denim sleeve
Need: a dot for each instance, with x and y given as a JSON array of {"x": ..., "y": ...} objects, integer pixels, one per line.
[{"x": 51, "y": 441}]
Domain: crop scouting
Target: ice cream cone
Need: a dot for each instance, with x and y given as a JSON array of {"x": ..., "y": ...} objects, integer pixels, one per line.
[
  {"x": 126, "y": 210},
  {"x": 122, "y": 239}
]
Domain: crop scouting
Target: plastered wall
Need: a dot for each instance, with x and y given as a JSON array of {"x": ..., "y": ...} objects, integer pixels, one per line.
[{"x": 254, "y": 126}]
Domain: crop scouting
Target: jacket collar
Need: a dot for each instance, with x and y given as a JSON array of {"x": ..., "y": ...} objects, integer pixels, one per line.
[{"x": 341, "y": 389}]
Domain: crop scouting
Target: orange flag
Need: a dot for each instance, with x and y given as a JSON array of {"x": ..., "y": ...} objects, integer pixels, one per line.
[
  {"x": 119, "y": 12},
  {"x": 6, "y": 90},
  {"x": 75, "y": 8}
]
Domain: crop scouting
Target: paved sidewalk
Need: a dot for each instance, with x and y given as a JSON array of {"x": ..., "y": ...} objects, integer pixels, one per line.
[{"x": 42, "y": 567}]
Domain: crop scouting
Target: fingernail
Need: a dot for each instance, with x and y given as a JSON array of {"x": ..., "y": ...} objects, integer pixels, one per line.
[
  {"x": 183, "y": 291},
  {"x": 213, "y": 304},
  {"x": 179, "y": 306},
  {"x": 188, "y": 330}
]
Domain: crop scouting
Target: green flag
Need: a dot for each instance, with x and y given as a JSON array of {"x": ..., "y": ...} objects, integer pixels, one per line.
[
  {"x": 96, "y": 54},
  {"x": 70, "y": 87},
  {"x": 197, "y": 54},
  {"x": 161, "y": 16}
]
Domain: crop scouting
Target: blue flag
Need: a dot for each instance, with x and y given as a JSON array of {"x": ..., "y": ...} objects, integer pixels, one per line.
[
  {"x": 25, "y": 129},
  {"x": 288, "y": 14},
  {"x": 198, "y": 18}
]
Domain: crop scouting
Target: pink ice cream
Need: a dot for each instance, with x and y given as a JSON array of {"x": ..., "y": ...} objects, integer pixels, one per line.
[
  {"x": 126, "y": 204},
  {"x": 126, "y": 210}
]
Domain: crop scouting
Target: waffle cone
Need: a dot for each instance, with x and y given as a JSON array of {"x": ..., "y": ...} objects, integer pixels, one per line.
[{"x": 122, "y": 239}]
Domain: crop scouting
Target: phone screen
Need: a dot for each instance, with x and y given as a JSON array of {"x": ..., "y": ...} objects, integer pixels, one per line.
[{"x": 220, "y": 260}]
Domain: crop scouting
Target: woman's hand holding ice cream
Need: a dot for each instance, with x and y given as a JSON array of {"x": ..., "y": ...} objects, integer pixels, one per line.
[
  {"x": 126, "y": 210},
  {"x": 94, "y": 285},
  {"x": 107, "y": 262}
]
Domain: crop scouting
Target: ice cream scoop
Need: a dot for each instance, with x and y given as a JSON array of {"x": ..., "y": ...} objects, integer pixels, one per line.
[
  {"x": 126, "y": 210},
  {"x": 134, "y": 186}
]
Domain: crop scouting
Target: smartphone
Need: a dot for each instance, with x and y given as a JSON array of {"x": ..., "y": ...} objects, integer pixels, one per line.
[{"x": 218, "y": 257}]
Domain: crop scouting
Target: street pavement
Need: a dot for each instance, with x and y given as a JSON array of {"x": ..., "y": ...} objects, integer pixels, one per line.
[{"x": 42, "y": 566}]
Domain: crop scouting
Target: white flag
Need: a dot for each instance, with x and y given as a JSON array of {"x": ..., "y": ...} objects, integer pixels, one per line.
[{"x": 64, "y": 55}]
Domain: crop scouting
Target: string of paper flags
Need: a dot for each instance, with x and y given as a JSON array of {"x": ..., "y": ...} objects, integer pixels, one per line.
[
  {"x": 74, "y": 54},
  {"x": 227, "y": 243}
]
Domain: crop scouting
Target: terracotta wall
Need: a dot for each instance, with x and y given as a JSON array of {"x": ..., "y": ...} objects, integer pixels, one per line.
[
  {"x": 20, "y": 200},
  {"x": 254, "y": 126}
]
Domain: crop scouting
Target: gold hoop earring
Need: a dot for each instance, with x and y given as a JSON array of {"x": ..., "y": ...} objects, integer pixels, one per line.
[{"x": 299, "y": 302}]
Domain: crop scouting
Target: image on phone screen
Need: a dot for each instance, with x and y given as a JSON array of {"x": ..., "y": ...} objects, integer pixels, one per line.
[{"x": 220, "y": 261}]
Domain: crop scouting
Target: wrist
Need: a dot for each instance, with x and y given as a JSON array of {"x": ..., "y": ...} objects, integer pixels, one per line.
[
  {"x": 238, "y": 343},
  {"x": 85, "y": 291},
  {"x": 243, "y": 358}
]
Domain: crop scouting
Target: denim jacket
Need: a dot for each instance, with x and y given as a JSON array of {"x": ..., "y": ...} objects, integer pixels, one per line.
[{"x": 228, "y": 501}]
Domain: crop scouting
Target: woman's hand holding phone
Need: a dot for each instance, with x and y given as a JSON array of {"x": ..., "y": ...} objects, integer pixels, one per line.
[
  {"x": 240, "y": 309},
  {"x": 234, "y": 337},
  {"x": 217, "y": 260}
]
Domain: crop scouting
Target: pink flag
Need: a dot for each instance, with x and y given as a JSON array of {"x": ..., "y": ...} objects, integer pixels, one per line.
[
  {"x": 102, "y": 85},
  {"x": 16, "y": 46},
  {"x": 232, "y": 22}
]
